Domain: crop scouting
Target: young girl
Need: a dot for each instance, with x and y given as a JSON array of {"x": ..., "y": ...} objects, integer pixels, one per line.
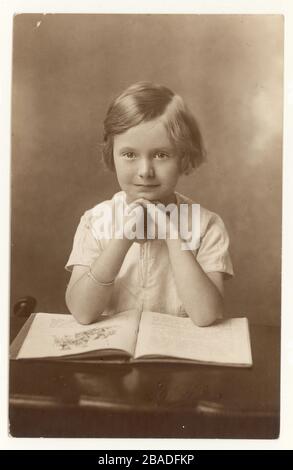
[{"x": 150, "y": 140}]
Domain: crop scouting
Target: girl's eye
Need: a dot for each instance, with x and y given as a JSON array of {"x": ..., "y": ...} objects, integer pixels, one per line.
[
  {"x": 161, "y": 155},
  {"x": 128, "y": 155}
]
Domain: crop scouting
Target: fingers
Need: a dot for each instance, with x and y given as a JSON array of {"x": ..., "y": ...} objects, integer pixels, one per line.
[{"x": 141, "y": 202}]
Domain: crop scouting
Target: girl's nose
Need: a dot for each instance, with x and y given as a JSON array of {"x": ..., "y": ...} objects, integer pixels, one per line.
[{"x": 146, "y": 169}]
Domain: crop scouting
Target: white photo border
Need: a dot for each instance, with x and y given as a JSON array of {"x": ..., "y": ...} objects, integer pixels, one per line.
[{"x": 285, "y": 7}]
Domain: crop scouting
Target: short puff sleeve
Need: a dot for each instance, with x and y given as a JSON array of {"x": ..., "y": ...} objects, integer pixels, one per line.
[
  {"x": 85, "y": 247},
  {"x": 213, "y": 254}
]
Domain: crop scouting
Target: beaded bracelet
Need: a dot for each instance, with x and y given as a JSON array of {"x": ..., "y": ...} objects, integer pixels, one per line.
[{"x": 100, "y": 283}]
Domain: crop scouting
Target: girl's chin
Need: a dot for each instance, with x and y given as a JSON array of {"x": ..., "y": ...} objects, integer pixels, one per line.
[
  {"x": 133, "y": 197},
  {"x": 164, "y": 199}
]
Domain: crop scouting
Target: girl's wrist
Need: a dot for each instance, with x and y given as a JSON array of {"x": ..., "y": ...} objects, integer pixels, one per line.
[
  {"x": 123, "y": 242},
  {"x": 174, "y": 242}
]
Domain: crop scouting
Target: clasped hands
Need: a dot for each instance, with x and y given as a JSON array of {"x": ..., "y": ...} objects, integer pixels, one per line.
[{"x": 144, "y": 220}]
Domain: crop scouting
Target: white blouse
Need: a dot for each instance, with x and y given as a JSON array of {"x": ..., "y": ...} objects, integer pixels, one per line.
[{"x": 145, "y": 280}]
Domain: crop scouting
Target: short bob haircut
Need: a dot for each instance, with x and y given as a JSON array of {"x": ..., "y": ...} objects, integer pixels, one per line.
[{"x": 145, "y": 101}]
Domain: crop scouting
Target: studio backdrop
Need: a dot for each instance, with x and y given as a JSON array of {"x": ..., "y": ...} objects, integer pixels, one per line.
[{"x": 66, "y": 70}]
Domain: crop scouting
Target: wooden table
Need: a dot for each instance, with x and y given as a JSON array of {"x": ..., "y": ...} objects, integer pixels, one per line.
[{"x": 74, "y": 399}]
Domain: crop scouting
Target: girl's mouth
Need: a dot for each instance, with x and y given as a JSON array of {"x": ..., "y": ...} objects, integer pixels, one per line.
[{"x": 147, "y": 185}]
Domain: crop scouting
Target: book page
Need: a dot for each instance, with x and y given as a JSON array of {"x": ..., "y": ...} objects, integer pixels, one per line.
[
  {"x": 54, "y": 335},
  {"x": 164, "y": 335}
]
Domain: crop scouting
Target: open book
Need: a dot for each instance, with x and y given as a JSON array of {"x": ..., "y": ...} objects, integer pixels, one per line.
[{"x": 134, "y": 336}]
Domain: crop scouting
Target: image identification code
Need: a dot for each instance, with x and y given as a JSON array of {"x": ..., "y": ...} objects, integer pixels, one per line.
[{"x": 147, "y": 459}]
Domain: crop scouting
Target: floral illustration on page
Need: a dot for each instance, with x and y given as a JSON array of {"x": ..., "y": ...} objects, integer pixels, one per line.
[{"x": 82, "y": 339}]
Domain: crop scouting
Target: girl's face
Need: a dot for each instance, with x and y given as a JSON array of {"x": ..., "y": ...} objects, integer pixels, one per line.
[{"x": 146, "y": 163}]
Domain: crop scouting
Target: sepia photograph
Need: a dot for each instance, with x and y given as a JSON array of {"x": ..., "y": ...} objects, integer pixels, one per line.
[{"x": 146, "y": 225}]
